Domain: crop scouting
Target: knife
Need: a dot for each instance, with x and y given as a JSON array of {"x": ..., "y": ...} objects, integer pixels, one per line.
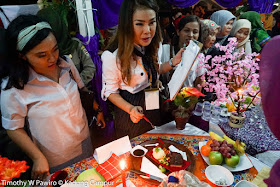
[
  {"x": 149, "y": 122},
  {"x": 146, "y": 174}
]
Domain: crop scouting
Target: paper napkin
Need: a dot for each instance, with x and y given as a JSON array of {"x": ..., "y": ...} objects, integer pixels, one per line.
[
  {"x": 172, "y": 148},
  {"x": 119, "y": 146},
  {"x": 148, "y": 167},
  {"x": 110, "y": 169}
]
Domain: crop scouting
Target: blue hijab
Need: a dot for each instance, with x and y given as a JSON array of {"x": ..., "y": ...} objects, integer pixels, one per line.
[{"x": 221, "y": 17}]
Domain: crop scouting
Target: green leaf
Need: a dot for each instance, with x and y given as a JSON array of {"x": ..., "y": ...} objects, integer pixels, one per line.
[
  {"x": 248, "y": 100},
  {"x": 157, "y": 149}
]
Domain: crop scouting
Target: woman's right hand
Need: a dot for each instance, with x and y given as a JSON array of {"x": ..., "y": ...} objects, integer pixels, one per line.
[
  {"x": 40, "y": 169},
  {"x": 136, "y": 114}
]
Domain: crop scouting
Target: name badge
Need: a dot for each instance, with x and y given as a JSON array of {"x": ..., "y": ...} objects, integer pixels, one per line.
[{"x": 152, "y": 98}]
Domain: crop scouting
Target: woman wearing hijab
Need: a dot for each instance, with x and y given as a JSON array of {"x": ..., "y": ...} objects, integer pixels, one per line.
[
  {"x": 269, "y": 72},
  {"x": 225, "y": 20},
  {"x": 241, "y": 30},
  {"x": 258, "y": 36},
  {"x": 209, "y": 31}
]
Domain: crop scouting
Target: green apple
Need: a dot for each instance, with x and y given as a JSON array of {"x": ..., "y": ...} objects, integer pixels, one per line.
[
  {"x": 215, "y": 158},
  {"x": 232, "y": 161}
]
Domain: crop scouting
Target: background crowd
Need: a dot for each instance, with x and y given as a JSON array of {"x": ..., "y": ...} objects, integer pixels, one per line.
[{"x": 141, "y": 51}]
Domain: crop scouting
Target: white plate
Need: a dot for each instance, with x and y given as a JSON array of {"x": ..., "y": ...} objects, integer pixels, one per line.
[
  {"x": 245, "y": 183},
  {"x": 244, "y": 162}
]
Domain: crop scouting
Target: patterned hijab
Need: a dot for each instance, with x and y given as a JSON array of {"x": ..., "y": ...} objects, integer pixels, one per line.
[
  {"x": 221, "y": 17},
  {"x": 240, "y": 24},
  {"x": 207, "y": 27}
]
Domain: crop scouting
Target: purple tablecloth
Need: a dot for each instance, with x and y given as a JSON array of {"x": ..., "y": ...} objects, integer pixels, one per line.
[{"x": 254, "y": 133}]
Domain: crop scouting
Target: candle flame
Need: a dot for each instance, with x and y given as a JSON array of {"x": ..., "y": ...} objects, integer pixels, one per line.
[
  {"x": 240, "y": 91},
  {"x": 122, "y": 164}
]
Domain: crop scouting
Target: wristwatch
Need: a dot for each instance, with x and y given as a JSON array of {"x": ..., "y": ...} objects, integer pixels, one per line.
[
  {"x": 98, "y": 110},
  {"x": 170, "y": 63}
]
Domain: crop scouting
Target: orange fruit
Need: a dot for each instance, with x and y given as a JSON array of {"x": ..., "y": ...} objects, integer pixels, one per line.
[
  {"x": 209, "y": 142},
  {"x": 205, "y": 150}
]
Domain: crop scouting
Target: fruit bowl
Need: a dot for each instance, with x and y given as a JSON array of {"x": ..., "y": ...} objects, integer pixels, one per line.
[
  {"x": 244, "y": 162},
  {"x": 219, "y": 175}
]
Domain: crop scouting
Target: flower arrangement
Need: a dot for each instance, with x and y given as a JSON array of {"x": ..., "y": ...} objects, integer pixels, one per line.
[
  {"x": 186, "y": 98},
  {"x": 10, "y": 169},
  {"x": 232, "y": 77}
]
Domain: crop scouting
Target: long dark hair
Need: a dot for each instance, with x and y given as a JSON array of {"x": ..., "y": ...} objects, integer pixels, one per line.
[
  {"x": 181, "y": 25},
  {"x": 124, "y": 38},
  {"x": 17, "y": 69}
]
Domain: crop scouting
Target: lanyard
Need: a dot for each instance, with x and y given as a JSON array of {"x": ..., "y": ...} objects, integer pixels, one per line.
[{"x": 145, "y": 71}]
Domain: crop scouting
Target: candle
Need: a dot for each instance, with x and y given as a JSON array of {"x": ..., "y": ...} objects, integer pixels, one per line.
[
  {"x": 122, "y": 164},
  {"x": 240, "y": 91}
]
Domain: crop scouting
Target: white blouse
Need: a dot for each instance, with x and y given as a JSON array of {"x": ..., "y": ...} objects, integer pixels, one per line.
[
  {"x": 112, "y": 77},
  {"x": 54, "y": 113}
]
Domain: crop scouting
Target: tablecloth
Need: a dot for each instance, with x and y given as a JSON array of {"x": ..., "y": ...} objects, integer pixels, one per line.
[
  {"x": 254, "y": 133},
  {"x": 190, "y": 141}
]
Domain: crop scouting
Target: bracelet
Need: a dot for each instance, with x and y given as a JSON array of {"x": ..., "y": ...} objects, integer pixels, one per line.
[
  {"x": 98, "y": 110},
  {"x": 170, "y": 63}
]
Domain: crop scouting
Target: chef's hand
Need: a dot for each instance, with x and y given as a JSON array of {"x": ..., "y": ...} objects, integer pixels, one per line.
[
  {"x": 136, "y": 114},
  {"x": 159, "y": 85},
  {"x": 40, "y": 169}
]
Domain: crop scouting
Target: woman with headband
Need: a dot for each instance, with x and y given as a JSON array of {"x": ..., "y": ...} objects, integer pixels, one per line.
[{"x": 40, "y": 102}]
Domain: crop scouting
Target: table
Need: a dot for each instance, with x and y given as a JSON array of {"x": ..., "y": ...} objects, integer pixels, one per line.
[
  {"x": 190, "y": 137},
  {"x": 257, "y": 139},
  {"x": 255, "y": 132}
]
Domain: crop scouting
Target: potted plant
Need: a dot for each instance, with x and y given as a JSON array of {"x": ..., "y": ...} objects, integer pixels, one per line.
[
  {"x": 233, "y": 78},
  {"x": 185, "y": 101}
]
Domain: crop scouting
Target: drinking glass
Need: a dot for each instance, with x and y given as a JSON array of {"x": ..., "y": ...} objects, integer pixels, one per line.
[
  {"x": 198, "y": 109},
  {"x": 224, "y": 115},
  {"x": 206, "y": 110},
  {"x": 258, "y": 116},
  {"x": 215, "y": 115}
]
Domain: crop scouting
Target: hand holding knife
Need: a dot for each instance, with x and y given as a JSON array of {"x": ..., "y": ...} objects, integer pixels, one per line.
[{"x": 145, "y": 118}]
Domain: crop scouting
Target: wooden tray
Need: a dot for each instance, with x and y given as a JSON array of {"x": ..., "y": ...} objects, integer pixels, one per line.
[{"x": 135, "y": 162}]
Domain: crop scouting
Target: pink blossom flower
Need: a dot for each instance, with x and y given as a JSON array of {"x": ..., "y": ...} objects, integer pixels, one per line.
[{"x": 228, "y": 74}]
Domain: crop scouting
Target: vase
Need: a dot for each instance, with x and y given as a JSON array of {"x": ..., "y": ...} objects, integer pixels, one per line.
[
  {"x": 182, "y": 116},
  {"x": 181, "y": 122},
  {"x": 236, "y": 121}
]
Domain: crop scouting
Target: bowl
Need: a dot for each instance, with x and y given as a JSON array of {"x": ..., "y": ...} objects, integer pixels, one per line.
[
  {"x": 59, "y": 175},
  {"x": 245, "y": 183},
  {"x": 217, "y": 173},
  {"x": 138, "y": 151}
]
